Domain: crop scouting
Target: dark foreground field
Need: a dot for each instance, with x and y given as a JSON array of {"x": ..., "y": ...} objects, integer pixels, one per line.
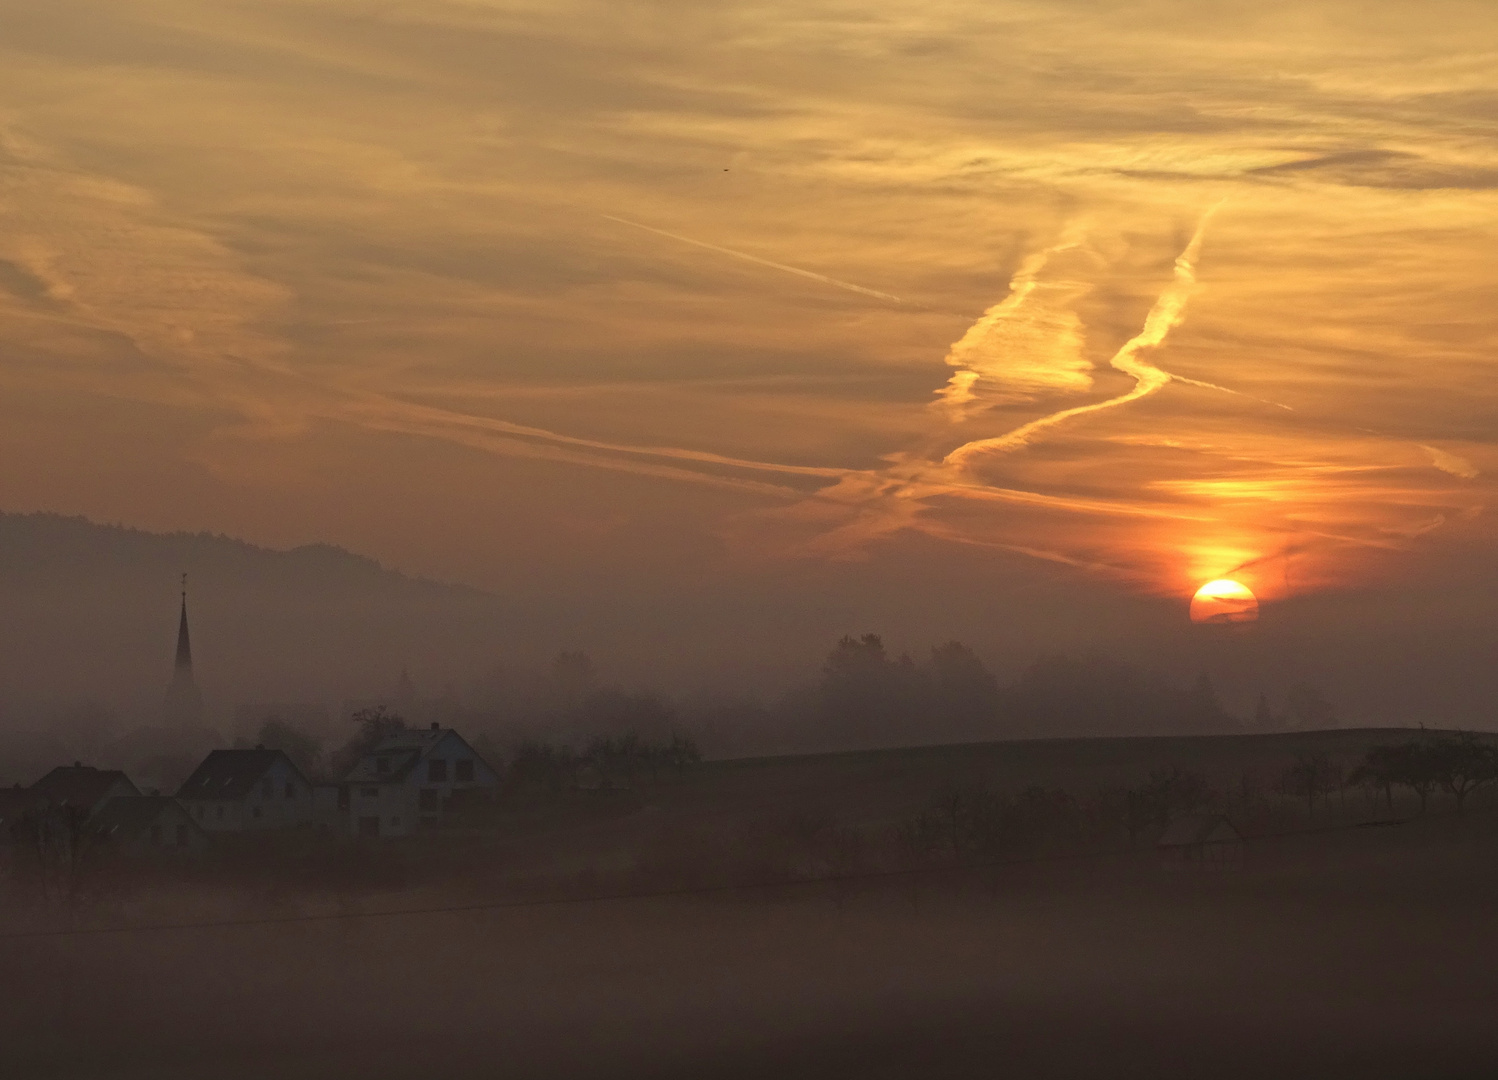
[
  {"x": 1356, "y": 939},
  {"x": 1364, "y": 952}
]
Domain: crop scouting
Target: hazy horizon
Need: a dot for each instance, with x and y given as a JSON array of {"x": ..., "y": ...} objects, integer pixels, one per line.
[{"x": 696, "y": 339}]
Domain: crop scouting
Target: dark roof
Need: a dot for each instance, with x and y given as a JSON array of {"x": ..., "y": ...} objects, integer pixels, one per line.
[
  {"x": 400, "y": 760},
  {"x": 1191, "y": 830},
  {"x": 403, "y": 751},
  {"x": 128, "y": 816},
  {"x": 82, "y": 786},
  {"x": 231, "y": 774}
]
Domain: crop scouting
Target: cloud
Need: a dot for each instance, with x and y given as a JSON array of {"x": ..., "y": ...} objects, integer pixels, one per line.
[
  {"x": 1168, "y": 311},
  {"x": 1448, "y": 462}
]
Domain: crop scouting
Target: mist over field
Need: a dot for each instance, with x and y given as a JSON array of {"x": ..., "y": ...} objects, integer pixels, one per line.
[{"x": 88, "y": 613}]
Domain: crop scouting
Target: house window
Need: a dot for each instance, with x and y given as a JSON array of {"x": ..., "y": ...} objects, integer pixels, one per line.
[
  {"x": 290, "y": 790},
  {"x": 436, "y": 771},
  {"x": 428, "y": 800},
  {"x": 265, "y": 788},
  {"x": 370, "y": 792},
  {"x": 369, "y": 826},
  {"x": 382, "y": 765},
  {"x": 464, "y": 770},
  {"x": 181, "y": 835}
]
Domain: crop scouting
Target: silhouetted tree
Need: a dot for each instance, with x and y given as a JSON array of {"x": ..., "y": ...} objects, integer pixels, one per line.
[
  {"x": 304, "y": 750},
  {"x": 375, "y": 726},
  {"x": 1380, "y": 771},
  {"x": 864, "y": 693},
  {"x": 1414, "y": 766},
  {"x": 1167, "y": 793},
  {"x": 1461, "y": 763},
  {"x": 1311, "y": 778},
  {"x": 965, "y": 695}
]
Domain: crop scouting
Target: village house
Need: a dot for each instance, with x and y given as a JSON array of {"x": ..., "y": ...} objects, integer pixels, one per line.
[
  {"x": 82, "y": 787},
  {"x": 411, "y": 779},
  {"x": 138, "y": 825},
  {"x": 247, "y": 791}
]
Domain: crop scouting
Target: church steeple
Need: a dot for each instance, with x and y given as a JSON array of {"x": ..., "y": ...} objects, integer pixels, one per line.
[
  {"x": 184, "y": 643},
  {"x": 184, "y": 701}
]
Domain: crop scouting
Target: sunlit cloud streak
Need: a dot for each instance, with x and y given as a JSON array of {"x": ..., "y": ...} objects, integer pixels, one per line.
[{"x": 1165, "y": 315}]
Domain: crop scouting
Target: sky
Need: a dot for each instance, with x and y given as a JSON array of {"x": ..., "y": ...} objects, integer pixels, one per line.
[{"x": 754, "y": 323}]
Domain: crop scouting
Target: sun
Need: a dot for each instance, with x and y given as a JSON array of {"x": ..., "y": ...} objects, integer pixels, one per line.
[{"x": 1224, "y": 601}]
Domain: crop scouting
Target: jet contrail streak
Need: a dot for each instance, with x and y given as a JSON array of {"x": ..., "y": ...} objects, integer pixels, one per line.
[
  {"x": 1229, "y": 390},
  {"x": 823, "y": 278},
  {"x": 446, "y": 418},
  {"x": 1048, "y": 341},
  {"x": 1167, "y": 313}
]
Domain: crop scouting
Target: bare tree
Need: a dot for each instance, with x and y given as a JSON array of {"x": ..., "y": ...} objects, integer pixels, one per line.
[
  {"x": 1462, "y": 763},
  {"x": 1311, "y": 778}
]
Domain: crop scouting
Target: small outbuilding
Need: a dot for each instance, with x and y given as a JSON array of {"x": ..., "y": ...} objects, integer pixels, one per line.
[
  {"x": 1206, "y": 840},
  {"x": 146, "y": 825}
]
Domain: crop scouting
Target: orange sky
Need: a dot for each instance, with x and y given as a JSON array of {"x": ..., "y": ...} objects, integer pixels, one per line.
[{"x": 1144, "y": 294}]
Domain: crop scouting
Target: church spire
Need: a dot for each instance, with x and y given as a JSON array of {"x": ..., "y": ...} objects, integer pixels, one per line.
[
  {"x": 184, "y": 643},
  {"x": 184, "y": 701}
]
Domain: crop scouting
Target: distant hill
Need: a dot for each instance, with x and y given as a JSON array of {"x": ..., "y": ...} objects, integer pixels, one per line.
[{"x": 89, "y": 612}]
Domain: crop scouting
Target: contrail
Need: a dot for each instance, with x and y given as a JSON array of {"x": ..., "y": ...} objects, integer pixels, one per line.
[
  {"x": 1028, "y": 349},
  {"x": 1167, "y": 313},
  {"x": 1229, "y": 390},
  {"x": 823, "y": 278}
]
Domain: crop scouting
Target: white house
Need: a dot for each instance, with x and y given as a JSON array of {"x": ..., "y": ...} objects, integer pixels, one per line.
[
  {"x": 246, "y": 791},
  {"x": 411, "y": 779}
]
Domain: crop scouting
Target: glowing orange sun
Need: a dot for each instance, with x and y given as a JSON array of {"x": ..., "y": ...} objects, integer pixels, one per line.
[{"x": 1224, "y": 601}]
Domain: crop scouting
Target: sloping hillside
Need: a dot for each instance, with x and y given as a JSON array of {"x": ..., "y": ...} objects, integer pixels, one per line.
[{"x": 89, "y": 611}]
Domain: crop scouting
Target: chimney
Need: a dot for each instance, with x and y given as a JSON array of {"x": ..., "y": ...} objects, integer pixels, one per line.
[{"x": 435, "y": 727}]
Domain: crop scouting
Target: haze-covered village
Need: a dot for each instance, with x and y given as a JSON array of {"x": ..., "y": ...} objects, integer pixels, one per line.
[{"x": 621, "y": 798}]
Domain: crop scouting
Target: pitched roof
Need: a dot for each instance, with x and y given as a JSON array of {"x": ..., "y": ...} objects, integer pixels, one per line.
[
  {"x": 399, "y": 761},
  {"x": 82, "y": 786},
  {"x": 231, "y": 774},
  {"x": 130, "y": 815},
  {"x": 1191, "y": 830},
  {"x": 402, "y": 752}
]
